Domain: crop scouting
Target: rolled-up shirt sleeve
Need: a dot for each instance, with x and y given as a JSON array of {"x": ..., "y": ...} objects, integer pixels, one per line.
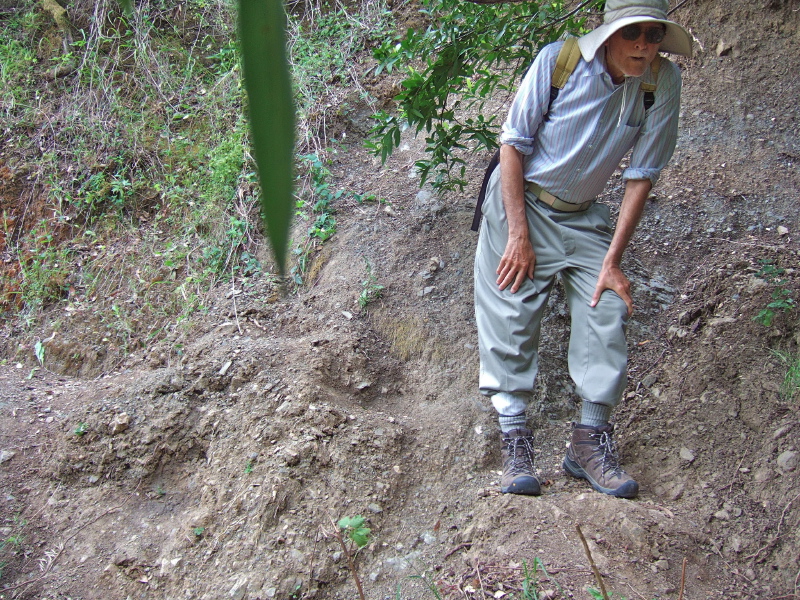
[
  {"x": 656, "y": 142},
  {"x": 531, "y": 102}
]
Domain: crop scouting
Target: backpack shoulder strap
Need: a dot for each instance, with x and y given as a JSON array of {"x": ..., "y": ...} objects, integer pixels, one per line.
[
  {"x": 649, "y": 89},
  {"x": 566, "y": 61}
]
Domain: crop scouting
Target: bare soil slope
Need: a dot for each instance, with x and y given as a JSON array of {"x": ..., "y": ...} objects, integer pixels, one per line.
[{"x": 212, "y": 465}]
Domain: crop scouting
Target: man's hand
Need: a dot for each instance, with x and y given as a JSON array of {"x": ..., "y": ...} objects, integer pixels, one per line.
[
  {"x": 518, "y": 259},
  {"x": 517, "y": 263},
  {"x": 612, "y": 278}
]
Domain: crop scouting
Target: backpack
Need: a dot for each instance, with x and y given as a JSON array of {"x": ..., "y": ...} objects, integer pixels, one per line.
[{"x": 566, "y": 61}]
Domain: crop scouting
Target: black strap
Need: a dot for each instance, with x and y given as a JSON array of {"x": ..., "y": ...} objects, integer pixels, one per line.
[
  {"x": 476, "y": 220},
  {"x": 648, "y": 100}
]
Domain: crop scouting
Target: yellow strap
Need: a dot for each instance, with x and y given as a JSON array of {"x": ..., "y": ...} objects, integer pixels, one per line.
[
  {"x": 654, "y": 67},
  {"x": 568, "y": 58}
]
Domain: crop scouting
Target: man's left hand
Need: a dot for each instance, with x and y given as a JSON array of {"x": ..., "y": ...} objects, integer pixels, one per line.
[{"x": 612, "y": 278}]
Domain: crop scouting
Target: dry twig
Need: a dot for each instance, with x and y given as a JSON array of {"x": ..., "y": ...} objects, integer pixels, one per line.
[
  {"x": 337, "y": 533},
  {"x": 595, "y": 570},
  {"x": 683, "y": 579}
]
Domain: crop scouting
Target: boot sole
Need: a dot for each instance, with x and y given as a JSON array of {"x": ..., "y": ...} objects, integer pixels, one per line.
[
  {"x": 524, "y": 486},
  {"x": 628, "y": 490}
]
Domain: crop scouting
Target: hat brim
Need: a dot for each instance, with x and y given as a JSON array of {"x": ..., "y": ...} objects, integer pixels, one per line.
[{"x": 676, "y": 41}]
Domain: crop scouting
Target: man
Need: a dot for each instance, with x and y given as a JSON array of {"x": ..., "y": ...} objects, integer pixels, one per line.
[{"x": 540, "y": 220}]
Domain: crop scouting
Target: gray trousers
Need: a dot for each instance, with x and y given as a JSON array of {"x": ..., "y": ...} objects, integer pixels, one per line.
[{"x": 509, "y": 325}]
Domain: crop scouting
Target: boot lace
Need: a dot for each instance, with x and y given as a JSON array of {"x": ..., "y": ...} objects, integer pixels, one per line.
[
  {"x": 606, "y": 450},
  {"x": 520, "y": 455}
]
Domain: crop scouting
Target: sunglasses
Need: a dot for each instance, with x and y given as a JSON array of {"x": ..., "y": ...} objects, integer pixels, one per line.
[{"x": 652, "y": 35}]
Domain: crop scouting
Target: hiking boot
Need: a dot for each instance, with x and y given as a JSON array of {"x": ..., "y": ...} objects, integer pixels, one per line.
[
  {"x": 518, "y": 477},
  {"x": 592, "y": 455}
]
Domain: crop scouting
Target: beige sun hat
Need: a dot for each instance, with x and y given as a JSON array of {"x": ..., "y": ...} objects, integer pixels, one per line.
[{"x": 619, "y": 13}]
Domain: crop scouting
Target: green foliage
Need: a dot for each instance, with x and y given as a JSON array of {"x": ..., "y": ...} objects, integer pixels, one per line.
[
  {"x": 44, "y": 266},
  {"x": 13, "y": 543},
  {"x": 781, "y": 297},
  {"x": 355, "y": 529},
  {"x": 248, "y": 468},
  {"x": 314, "y": 204},
  {"x": 323, "y": 44},
  {"x": 791, "y": 380},
  {"x": 16, "y": 61},
  {"x": 429, "y": 583},
  {"x": 80, "y": 429},
  {"x": 468, "y": 54},
  {"x": 371, "y": 289},
  {"x": 38, "y": 349}
]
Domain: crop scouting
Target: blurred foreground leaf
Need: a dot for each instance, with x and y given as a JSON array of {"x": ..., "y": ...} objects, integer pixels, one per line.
[{"x": 271, "y": 113}]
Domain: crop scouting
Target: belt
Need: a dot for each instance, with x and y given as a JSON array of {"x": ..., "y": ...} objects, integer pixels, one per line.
[{"x": 554, "y": 201}]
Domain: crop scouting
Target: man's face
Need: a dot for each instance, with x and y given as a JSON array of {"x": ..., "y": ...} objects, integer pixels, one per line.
[{"x": 627, "y": 57}]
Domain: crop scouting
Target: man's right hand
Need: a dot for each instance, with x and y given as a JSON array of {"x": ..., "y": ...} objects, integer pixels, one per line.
[
  {"x": 518, "y": 260},
  {"x": 517, "y": 263}
]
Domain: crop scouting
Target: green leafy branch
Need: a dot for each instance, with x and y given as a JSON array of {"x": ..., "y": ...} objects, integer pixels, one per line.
[
  {"x": 469, "y": 53},
  {"x": 358, "y": 536}
]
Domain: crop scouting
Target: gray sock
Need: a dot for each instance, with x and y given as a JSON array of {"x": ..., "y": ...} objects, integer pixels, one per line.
[
  {"x": 507, "y": 423},
  {"x": 595, "y": 414}
]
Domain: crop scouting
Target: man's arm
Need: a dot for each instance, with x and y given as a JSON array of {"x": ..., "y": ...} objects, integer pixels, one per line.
[
  {"x": 518, "y": 260},
  {"x": 611, "y": 275}
]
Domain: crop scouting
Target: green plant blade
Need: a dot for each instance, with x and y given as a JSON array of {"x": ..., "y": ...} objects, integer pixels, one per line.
[{"x": 262, "y": 30}]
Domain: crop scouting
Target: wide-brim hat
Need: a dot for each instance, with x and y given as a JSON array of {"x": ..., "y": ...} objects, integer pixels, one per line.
[{"x": 619, "y": 13}]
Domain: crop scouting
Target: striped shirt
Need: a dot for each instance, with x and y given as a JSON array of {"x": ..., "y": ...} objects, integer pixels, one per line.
[{"x": 591, "y": 125}]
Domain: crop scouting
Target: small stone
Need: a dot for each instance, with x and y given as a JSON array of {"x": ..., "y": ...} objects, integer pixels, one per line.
[
  {"x": 661, "y": 565},
  {"x": 762, "y": 475},
  {"x": 722, "y": 515},
  {"x": 687, "y": 455},
  {"x": 787, "y": 461},
  {"x": 239, "y": 589},
  {"x": 734, "y": 544},
  {"x": 428, "y": 537},
  {"x": 225, "y": 368},
  {"x": 6, "y": 455},
  {"x": 347, "y": 315},
  {"x": 120, "y": 423},
  {"x": 634, "y": 532},
  {"x": 94, "y": 479},
  {"x": 781, "y": 431},
  {"x": 291, "y": 457},
  {"x": 649, "y": 380},
  {"x": 375, "y": 508},
  {"x": 783, "y": 230},
  {"x": 677, "y": 491},
  {"x": 423, "y": 196}
]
